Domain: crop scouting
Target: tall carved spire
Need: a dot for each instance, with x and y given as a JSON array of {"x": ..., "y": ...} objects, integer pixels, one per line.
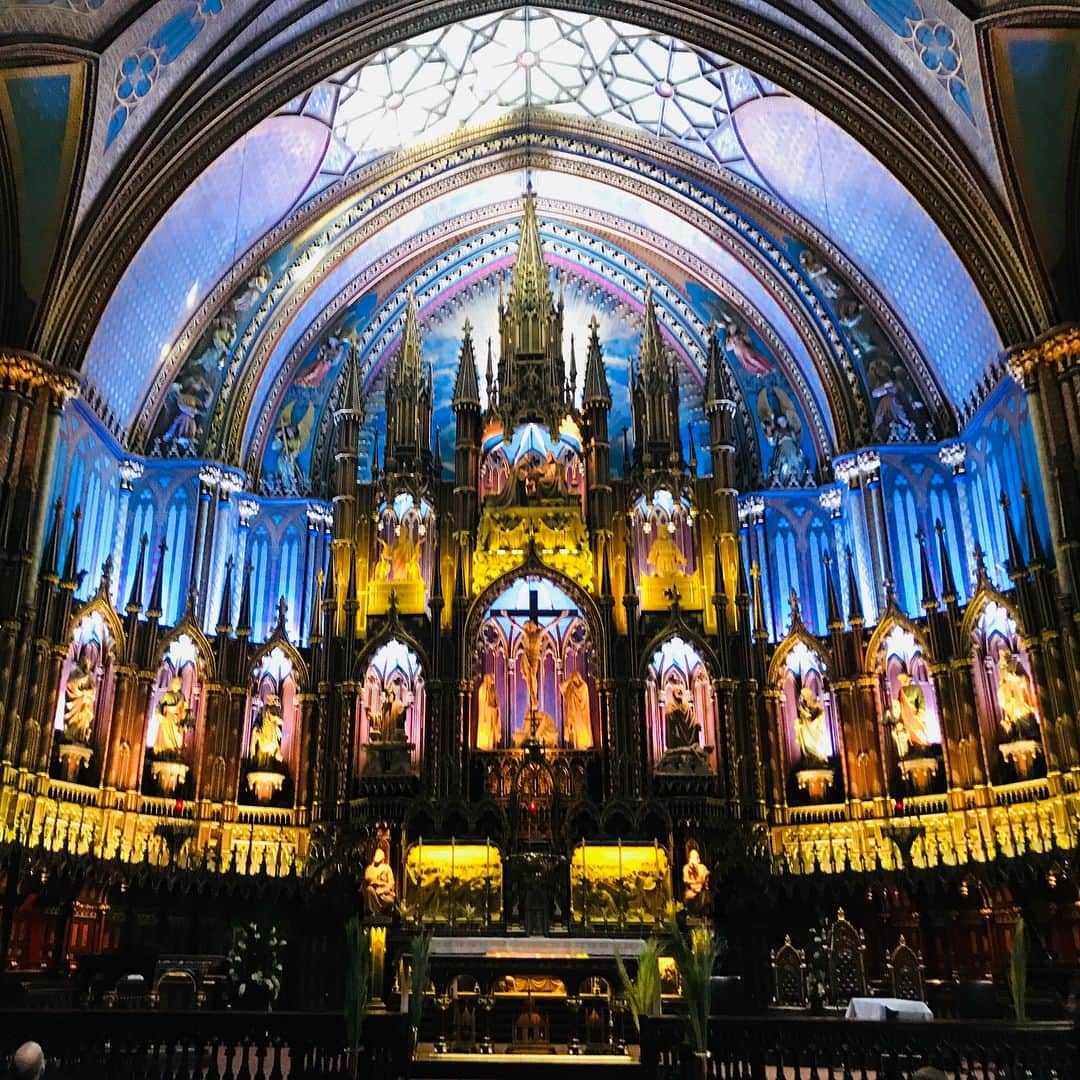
[
  {"x": 855, "y": 608},
  {"x": 71, "y": 576},
  {"x": 467, "y": 384},
  {"x": 654, "y": 399},
  {"x": 134, "y": 604},
  {"x": 224, "y": 619},
  {"x": 596, "y": 389},
  {"x": 529, "y": 288},
  {"x": 408, "y": 405},
  {"x": 532, "y": 382},
  {"x": 154, "y": 609},
  {"x": 948, "y": 582},
  {"x": 833, "y": 619},
  {"x": 714, "y": 383},
  {"x": 929, "y": 593}
]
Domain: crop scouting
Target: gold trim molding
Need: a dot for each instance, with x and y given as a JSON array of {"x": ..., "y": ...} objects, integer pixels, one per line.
[{"x": 21, "y": 370}]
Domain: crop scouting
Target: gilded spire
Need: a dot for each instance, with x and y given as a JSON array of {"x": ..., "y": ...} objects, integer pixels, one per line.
[
  {"x": 529, "y": 288},
  {"x": 410, "y": 359},
  {"x": 651, "y": 347}
]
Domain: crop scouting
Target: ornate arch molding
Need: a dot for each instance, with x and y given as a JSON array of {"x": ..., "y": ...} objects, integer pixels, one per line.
[
  {"x": 533, "y": 566},
  {"x": 735, "y": 213},
  {"x": 572, "y": 152},
  {"x": 899, "y": 135},
  {"x": 402, "y": 262}
]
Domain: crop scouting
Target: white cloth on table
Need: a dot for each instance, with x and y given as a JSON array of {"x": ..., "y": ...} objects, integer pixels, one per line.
[{"x": 867, "y": 1008}]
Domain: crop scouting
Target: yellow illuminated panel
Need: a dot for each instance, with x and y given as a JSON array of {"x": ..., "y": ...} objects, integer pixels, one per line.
[
  {"x": 454, "y": 884},
  {"x": 620, "y": 885}
]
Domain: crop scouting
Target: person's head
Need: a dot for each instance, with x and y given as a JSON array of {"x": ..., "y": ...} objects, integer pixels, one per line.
[
  {"x": 28, "y": 1062},
  {"x": 694, "y": 857},
  {"x": 928, "y": 1072}
]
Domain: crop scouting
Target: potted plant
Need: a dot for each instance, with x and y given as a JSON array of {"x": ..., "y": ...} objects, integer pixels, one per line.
[
  {"x": 695, "y": 955},
  {"x": 817, "y": 968},
  {"x": 1018, "y": 972},
  {"x": 642, "y": 992},
  {"x": 255, "y": 965},
  {"x": 419, "y": 976},
  {"x": 357, "y": 987}
]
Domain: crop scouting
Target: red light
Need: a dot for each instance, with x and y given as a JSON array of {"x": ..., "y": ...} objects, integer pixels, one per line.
[
  {"x": 532, "y": 808},
  {"x": 178, "y": 807},
  {"x": 899, "y": 806}
]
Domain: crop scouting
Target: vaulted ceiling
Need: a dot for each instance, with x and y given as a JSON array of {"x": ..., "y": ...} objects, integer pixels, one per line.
[{"x": 207, "y": 197}]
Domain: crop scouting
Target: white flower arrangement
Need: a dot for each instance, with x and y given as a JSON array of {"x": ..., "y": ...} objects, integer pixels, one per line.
[{"x": 255, "y": 961}]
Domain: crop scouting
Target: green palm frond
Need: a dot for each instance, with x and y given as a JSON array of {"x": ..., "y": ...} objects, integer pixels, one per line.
[
  {"x": 644, "y": 988},
  {"x": 357, "y": 980},
  {"x": 695, "y": 956}
]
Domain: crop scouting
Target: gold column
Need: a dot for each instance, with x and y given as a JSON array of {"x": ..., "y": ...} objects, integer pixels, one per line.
[{"x": 1050, "y": 421}]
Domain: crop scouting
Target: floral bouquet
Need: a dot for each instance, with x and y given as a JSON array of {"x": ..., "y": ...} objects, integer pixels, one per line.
[
  {"x": 255, "y": 964},
  {"x": 817, "y": 963}
]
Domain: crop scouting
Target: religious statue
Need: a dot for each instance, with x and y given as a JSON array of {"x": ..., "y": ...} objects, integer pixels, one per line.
[
  {"x": 665, "y": 555},
  {"x": 909, "y": 717},
  {"x": 379, "y": 887},
  {"x": 392, "y": 719},
  {"x": 576, "y": 723},
  {"x": 267, "y": 732},
  {"x": 402, "y": 559},
  {"x": 539, "y": 726},
  {"x": 546, "y": 480},
  {"x": 680, "y": 728},
  {"x": 1019, "y": 709},
  {"x": 531, "y": 633},
  {"x": 782, "y": 427},
  {"x": 811, "y": 731},
  {"x": 173, "y": 719},
  {"x": 81, "y": 693},
  {"x": 489, "y": 718},
  {"x": 695, "y": 877}
]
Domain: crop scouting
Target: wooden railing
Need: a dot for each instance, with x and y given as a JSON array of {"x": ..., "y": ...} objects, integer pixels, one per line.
[
  {"x": 830, "y": 1048},
  {"x": 198, "y": 1045},
  {"x": 129, "y": 1045}
]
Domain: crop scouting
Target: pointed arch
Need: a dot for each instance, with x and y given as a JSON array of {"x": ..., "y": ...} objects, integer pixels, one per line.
[{"x": 780, "y": 655}]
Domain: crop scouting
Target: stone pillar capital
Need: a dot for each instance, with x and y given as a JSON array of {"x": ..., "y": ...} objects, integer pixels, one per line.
[{"x": 1060, "y": 346}]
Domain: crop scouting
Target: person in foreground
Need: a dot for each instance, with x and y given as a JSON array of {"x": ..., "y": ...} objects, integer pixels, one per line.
[{"x": 28, "y": 1062}]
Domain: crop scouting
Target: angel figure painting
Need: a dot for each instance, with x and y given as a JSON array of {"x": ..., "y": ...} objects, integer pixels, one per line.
[
  {"x": 782, "y": 428},
  {"x": 291, "y": 437}
]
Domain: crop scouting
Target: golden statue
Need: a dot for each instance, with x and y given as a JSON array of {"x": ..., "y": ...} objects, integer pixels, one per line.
[
  {"x": 1019, "y": 709},
  {"x": 811, "y": 731},
  {"x": 267, "y": 732},
  {"x": 680, "y": 729},
  {"x": 173, "y": 719},
  {"x": 379, "y": 888},
  {"x": 577, "y": 726},
  {"x": 909, "y": 717},
  {"x": 545, "y": 731},
  {"x": 695, "y": 878},
  {"x": 489, "y": 718},
  {"x": 81, "y": 693},
  {"x": 382, "y": 567},
  {"x": 665, "y": 556},
  {"x": 403, "y": 557}
]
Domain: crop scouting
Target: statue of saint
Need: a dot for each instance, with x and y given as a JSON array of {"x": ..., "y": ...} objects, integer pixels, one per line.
[
  {"x": 382, "y": 567},
  {"x": 695, "y": 876},
  {"x": 173, "y": 719},
  {"x": 680, "y": 729},
  {"x": 400, "y": 561},
  {"x": 577, "y": 726},
  {"x": 546, "y": 480},
  {"x": 811, "y": 731},
  {"x": 909, "y": 717},
  {"x": 1019, "y": 709},
  {"x": 392, "y": 721},
  {"x": 489, "y": 718},
  {"x": 81, "y": 693},
  {"x": 379, "y": 889},
  {"x": 267, "y": 732},
  {"x": 665, "y": 556}
]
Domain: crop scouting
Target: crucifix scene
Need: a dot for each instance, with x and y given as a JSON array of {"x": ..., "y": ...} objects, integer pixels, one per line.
[{"x": 539, "y": 537}]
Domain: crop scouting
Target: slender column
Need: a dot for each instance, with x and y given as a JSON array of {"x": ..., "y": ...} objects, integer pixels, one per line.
[
  {"x": 246, "y": 509},
  {"x": 869, "y": 464},
  {"x": 209, "y": 475},
  {"x": 130, "y": 471},
  {"x": 954, "y": 455},
  {"x": 847, "y": 472},
  {"x": 832, "y": 500}
]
